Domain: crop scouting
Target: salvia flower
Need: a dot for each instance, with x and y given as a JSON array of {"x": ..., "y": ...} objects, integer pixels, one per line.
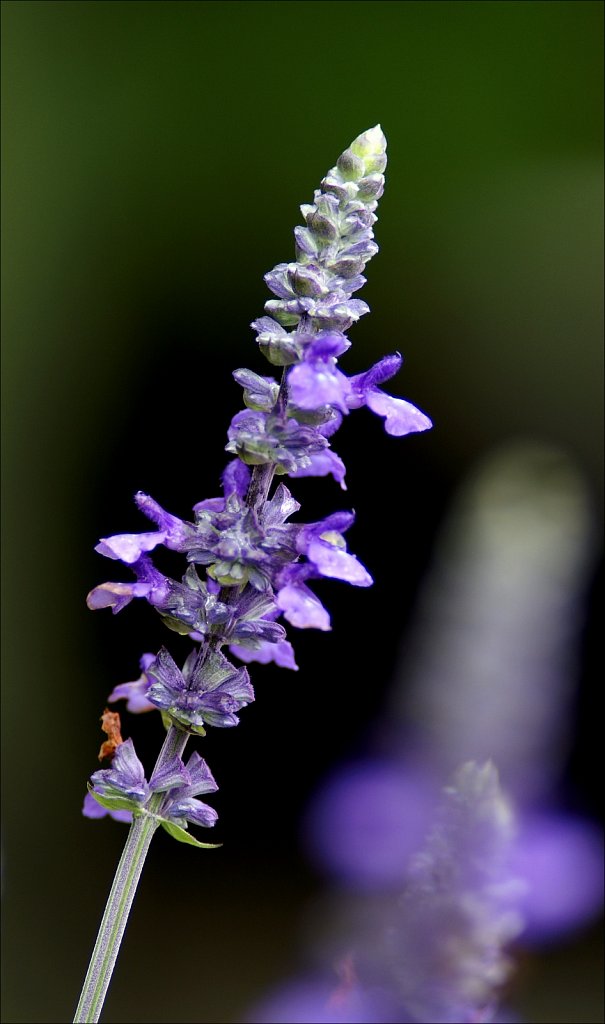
[
  {"x": 247, "y": 563},
  {"x": 126, "y": 777},
  {"x": 206, "y": 692}
]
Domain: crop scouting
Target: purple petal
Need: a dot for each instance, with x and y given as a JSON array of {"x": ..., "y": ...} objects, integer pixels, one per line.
[
  {"x": 312, "y": 385},
  {"x": 171, "y": 775},
  {"x": 127, "y": 764},
  {"x": 236, "y": 478},
  {"x": 277, "y": 281},
  {"x": 92, "y": 809},
  {"x": 322, "y": 464},
  {"x": 135, "y": 695},
  {"x": 401, "y": 417},
  {"x": 128, "y": 547},
  {"x": 282, "y": 653},
  {"x": 337, "y": 563},
  {"x": 300, "y": 607},
  {"x": 383, "y": 370},
  {"x": 327, "y": 344},
  {"x": 116, "y": 595},
  {"x": 165, "y": 520},
  {"x": 194, "y": 811},
  {"x": 202, "y": 779},
  {"x": 211, "y": 504},
  {"x": 265, "y": 325}
]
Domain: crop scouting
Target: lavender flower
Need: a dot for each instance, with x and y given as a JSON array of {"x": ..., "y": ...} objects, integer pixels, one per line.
[
  {"x": 246, "y": 563},
  {"x": 125, "y": 780},
  {"x": 207, "y": 691}
]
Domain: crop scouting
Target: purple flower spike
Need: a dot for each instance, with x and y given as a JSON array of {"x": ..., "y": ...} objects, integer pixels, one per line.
[
  {"x": 247, "y": 565},
  {"x": 459, "y": 908}
]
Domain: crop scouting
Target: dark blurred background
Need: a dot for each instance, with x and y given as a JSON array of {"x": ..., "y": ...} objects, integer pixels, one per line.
[{"x": 154, "y": 157}]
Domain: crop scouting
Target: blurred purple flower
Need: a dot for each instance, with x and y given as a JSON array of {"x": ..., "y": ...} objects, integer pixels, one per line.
[{"x": 135, "y": 693}]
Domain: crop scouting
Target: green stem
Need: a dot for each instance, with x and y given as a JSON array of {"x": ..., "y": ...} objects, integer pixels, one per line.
[
  {"x": 115, "y": 918},
  {"x": 114, "y": 921}
]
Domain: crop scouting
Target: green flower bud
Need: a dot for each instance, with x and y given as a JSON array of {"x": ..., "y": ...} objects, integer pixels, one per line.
[
  {"x": 371, "y": 147},
  {"x": 350, "y": 166}
]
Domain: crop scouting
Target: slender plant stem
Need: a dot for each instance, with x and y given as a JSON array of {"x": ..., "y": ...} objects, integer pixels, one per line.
[
  {"x": 121, "y": 896},
  {"x": 114, "y": 921}
]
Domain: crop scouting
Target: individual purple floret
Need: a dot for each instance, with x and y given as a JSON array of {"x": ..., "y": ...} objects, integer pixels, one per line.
[
  {"x": 326, "y": 550},
  {"x": 208, "y": 691},
  {"x": 125, "y": 778},
  {"x": 181, "y": 805}
]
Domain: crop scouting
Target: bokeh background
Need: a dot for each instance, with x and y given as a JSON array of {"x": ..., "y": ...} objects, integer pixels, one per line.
[{"x": 154, "y": 156}]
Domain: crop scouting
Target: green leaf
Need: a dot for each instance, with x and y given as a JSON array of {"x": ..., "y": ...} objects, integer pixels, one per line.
[
  {"x": 114, "y": 803},
  {"x": 183, "y": 836}
]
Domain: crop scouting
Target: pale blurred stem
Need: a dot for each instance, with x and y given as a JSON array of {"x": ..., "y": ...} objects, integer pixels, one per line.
[{"x": 115, "y": 918}]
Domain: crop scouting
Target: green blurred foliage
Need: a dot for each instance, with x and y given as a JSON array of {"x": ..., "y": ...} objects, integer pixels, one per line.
[{"x": 154, "y": 156}]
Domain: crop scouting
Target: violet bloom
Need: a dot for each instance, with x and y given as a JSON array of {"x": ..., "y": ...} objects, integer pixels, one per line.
[
  {"x": 125, "y": 778},
  {"x": 326, "y": 550},
  {"x": 128, "y": 547},
  {"x": 181, "y": 806},
  {"x": 151, "y": 584},
  {"x": 317, "y": 382},
  {"x": 256, "y": 565},
  {"x": 205, "y": 692}
]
